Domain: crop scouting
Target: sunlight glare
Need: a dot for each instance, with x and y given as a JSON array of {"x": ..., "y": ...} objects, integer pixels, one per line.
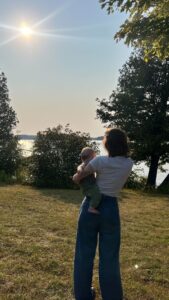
[{"x": 26, "y": 31}]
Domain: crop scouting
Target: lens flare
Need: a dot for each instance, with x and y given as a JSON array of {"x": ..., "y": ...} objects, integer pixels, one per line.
[{"x": 26, "y": 31}]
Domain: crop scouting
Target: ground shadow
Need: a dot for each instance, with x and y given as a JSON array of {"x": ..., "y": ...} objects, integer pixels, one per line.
[{"x": 65, "y": 195}]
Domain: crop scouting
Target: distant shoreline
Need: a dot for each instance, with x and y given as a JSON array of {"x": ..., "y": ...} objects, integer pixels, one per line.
[{"x": 28, "y": 137}]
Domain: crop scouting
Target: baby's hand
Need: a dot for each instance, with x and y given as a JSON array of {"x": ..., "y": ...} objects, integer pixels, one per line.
[{"x": 93, "y": 210}]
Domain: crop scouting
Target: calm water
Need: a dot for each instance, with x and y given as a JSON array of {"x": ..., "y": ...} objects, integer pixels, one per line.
[{"x": 141, "y": 169}]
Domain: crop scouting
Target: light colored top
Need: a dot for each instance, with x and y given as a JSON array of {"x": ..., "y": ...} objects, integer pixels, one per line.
[{"x": 111, "y": 173}]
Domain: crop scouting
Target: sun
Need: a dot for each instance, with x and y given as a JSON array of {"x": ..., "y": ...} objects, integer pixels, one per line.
[{"x": 26, "y": 31}]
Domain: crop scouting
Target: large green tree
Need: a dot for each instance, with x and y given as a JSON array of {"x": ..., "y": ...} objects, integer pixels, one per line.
[
  {"x": 147, "y": 25},
  {"x": 9, "y": 152},
  {"x": 140, "y": 105}
]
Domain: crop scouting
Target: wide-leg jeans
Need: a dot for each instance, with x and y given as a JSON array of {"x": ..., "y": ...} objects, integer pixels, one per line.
[{"x": 103, "y": 228}]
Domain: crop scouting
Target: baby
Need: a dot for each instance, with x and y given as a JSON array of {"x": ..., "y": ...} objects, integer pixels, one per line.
[{"x": 88, "y": 183}]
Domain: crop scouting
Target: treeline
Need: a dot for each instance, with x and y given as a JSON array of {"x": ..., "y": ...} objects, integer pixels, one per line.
[{"x": 139, "y": 105}]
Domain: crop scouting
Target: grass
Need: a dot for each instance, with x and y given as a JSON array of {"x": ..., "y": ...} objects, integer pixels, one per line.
[{"x": 37, "y": 238}]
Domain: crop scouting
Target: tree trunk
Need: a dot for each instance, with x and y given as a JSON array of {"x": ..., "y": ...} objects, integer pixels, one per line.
[{"x": 152, "y": 175}]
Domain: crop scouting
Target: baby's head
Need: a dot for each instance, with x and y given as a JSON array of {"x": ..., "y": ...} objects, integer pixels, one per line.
[{"x": 87, "y": 153}]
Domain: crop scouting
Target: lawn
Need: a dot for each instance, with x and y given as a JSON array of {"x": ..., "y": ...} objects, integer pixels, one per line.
[{"x": 37, "y": 238}]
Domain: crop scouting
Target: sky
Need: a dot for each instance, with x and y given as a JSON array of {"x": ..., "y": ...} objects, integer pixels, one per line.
[{"x": 55, "y": 75}]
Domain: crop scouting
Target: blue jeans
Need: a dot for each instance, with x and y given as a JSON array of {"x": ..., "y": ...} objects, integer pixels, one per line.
[{"x": 104, "y": 227}]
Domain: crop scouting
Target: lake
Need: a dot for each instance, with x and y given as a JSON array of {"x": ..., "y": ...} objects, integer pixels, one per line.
[{"x": 141, "y": 169}]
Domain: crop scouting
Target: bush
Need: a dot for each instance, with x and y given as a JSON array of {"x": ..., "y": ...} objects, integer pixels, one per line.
[
  {"x": 23, "y": 175},
  {"x": 135, "y": 181},
  {"x": 6, "y": 178},
  {"x": 163, "y": 190},
  {"x": 164, "y": 186},
  {"x": 56, "y": 156}
]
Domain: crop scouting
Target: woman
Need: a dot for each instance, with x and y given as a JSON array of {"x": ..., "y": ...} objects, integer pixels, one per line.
[{"x": 112, "y": 172}]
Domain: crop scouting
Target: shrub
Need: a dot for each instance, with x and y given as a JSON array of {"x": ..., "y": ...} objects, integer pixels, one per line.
[
  {"x": 56, "y": 156},
  {"x": 135, "y": 181},
  {"x": 23, "y": 175},
  {"x": 164, "y": 186},
  {"x": 6, "y": 178}
]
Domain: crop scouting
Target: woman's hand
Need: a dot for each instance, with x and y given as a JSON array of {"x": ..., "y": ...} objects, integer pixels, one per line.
[
  {"x": 76, "y": 178},
  {"x": 81, "y": 174}
]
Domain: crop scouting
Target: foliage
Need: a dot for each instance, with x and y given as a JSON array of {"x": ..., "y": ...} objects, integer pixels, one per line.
[
  {"x": 135, "y": 181},
  {"x": 23, "y": 175},
  {"x": 56, "y": 155},
  {"x": 164, "y": 186},
  {"x": 163, "y": 190},
  {"x": 140, "y": 105},
  {"x": 9, "y": 151},
  {"x": 147, "y": 25},
  {"x": 5, "y": 178}
]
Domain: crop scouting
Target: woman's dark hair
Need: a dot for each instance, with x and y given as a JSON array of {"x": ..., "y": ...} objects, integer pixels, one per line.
[{"x": 115, "y": 142}]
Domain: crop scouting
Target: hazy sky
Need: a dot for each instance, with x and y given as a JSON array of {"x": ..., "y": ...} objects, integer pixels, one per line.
[{"x": 55, "y": 76}]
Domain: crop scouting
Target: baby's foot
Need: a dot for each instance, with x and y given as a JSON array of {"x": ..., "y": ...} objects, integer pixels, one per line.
[{"x": 93, "y": 210}]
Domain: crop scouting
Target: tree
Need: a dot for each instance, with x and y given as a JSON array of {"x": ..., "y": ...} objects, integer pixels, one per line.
[
  {"x": 140, "y": 105},
  {"x": 9, "y": 151},
  {"x": 147, "y": 25},
  {"x": 56, "y": 155}
]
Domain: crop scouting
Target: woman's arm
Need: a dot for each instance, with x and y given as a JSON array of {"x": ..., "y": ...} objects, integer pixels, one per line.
[{"x": 81, "y": 174}]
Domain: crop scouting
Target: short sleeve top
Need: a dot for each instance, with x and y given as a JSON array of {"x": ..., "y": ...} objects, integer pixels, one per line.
[{"x": 111, "y": 173}]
